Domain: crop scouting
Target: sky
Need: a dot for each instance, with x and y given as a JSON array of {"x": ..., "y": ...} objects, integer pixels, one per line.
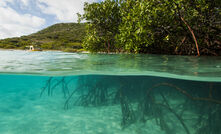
[{"x": 23, "y": 17}]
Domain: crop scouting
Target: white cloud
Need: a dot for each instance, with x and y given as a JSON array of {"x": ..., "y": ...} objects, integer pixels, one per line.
[
  {"x": 3, "y": 3},
  {"x": 13, "y": 24},
  {"x": 64, "y": 10},
  {"x": 25, "y": 2}
]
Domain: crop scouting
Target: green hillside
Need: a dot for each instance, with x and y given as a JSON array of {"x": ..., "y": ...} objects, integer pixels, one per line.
[{"x": 63, "y": 36}]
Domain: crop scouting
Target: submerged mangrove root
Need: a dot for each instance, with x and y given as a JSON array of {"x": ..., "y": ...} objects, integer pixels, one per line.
[
  {"x": 210, "y": 99},
  {"x": 210, "y": 122},
  {"x": 209, "y": 115},
  {"x": 64, "y": 85},
  {"x": 66, "y": 104},
  {"x": 128, "y": 116},
  {"x": 53, "y": 83},
  {"x": 47, "y": 87},
  {"x": 172, "y": 111},
  {"x": 138, "y": 104},
  {"x": 154, "y": 109},
  {"x": 94, "y": 94}
]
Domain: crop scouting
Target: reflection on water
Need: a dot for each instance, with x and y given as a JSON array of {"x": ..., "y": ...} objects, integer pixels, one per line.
[
  {"x": 108, "y": 104},
  {"x": 60, "y": 63}
]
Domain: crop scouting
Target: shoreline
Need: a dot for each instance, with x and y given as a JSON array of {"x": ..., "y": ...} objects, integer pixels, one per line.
[
  {"x": 46, "y": 50},
  {"x": 111, "y": 53}
]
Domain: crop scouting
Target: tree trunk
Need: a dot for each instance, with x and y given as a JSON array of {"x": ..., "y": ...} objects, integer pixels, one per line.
[
  {"x": 194, "y": 37},
  {"x": 108, "y": 48}
]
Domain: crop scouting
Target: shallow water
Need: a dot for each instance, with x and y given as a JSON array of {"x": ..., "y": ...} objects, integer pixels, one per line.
[
  {"x": 63, "y": 64},
  {"x": 108, "y": 102},
  {"x": 128, "y": 104}
]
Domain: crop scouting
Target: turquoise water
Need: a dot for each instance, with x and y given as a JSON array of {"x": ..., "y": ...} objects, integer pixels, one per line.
[
  {"x": 57, "y": 63},
  {"x": 56, "y": 92}
]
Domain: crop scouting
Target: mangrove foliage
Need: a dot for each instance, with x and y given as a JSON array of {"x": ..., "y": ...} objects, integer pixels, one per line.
[{"x": 185, "y": 27}]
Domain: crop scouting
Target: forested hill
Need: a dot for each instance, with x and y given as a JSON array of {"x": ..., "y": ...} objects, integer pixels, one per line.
[{"x": 59, "y": 36}]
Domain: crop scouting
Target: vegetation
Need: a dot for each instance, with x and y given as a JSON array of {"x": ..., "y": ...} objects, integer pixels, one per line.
[
  {"x": 104, "y": 19},
  {"x": 150, "y": 26},
  {"x": 64, "y": 36},
  {"x": 179, "y": 27}
]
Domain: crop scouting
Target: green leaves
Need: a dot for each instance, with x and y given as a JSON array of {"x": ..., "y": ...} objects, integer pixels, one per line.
[
  {"x": 103, "y": 19},
  {"x": 142, "y": 26}
]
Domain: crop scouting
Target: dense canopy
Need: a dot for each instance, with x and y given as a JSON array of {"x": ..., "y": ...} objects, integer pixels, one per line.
[{"x": 190, "y": 27}]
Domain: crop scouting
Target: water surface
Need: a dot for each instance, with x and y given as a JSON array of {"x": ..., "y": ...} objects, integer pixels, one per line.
[
  {"x": 69, "y": 93},
  {"x": 61, "y": 64}
]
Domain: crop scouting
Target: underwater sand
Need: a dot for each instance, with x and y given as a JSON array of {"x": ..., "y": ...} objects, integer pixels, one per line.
[{"x": 23, "y": 111}]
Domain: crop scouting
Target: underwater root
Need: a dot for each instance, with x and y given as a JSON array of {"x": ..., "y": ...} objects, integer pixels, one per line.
[
  {"x": 66, "y": 104},
  {"x": 172, "y": 111},
  {"x": 151, "y": 107},
  {"x": 52, "y": 83},
  {"x": 47, "y": 86},
  {"x": 209, "y": 116},
  {"x": 133, "y": 107},
  {"x": 94, "y": 96},
  {"x": 128, "y": 116},
  {"x": 186, "y": 93}
]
